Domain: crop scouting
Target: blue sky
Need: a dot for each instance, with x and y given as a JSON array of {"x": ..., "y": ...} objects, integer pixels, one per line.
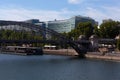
[{"x": 59, "y": 9}]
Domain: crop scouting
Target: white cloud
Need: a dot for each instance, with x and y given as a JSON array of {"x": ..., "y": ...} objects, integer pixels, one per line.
[
  {"x": 96, "y": 14},
  {"x": 23, "y": 14},
  {"x": 105, "y": 13},
  {"x": 20, "y": 14},
  {"x": 75, "y": 1}
]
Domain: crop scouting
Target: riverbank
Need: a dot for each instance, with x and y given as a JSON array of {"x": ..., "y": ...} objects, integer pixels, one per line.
[
  {"x": 64, "y": 52},
  {"x": 107, "y": 56},
  {"x": 71, "y": 52},
  {"x": 90, "y": 55}
]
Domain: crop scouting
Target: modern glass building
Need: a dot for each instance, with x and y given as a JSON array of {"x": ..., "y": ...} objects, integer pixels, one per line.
[
  {"x": 67, "y": 25},
  {"x": 60, "y": 25},
  {"x": 33, "y": 21},
  {"x": 21, "y": 27},
  {"x": 36, "y": 22}
]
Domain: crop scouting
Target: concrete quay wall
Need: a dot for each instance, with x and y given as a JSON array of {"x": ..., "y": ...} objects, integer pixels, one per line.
[
  {"x": 65, "y": 52},
  {"x": 91, "y": 55},
  {"x": 107, "y": 56}
]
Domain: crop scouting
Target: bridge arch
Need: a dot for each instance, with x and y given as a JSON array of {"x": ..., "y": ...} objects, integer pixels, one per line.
[{"x": 14, "y": 25}]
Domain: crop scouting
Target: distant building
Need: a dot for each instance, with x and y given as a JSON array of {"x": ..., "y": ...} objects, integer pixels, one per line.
[
  {"x": 36, "y": 22},
  {"x": 33, "y": 21},
  {"x": 22, "y": 28},
  {"x": 13, "y": 27},
  {"x": 67, "y": 25},
  {"x": 59, "y": 26},
  {"x": 107, "y": 20}
]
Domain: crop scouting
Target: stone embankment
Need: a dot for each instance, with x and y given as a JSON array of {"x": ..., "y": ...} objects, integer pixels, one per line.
[
  {"x": 107, "y": 56},
  {"x": 92, "y": 55},
  {"x": 65, "y": 52}
]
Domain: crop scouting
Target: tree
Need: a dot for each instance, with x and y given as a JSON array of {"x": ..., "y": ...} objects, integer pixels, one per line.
[
  {"x": 96, "y": 30},
  {"x": 83, "y": 28},
  {"x": 118, "y": 44},
  {"x": 19, "y": 35},
  {"x": 109, "y": 29}
]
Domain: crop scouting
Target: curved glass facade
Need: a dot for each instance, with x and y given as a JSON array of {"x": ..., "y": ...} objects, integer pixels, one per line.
[
  {"x": 61, "y": 25},
  {"x": 67, "y": 25}
]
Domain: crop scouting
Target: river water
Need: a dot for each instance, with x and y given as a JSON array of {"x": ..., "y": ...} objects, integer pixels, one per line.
[{"x": 51, "y": 67}]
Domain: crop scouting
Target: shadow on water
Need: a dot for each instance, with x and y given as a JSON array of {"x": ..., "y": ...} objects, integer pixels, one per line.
[{"x": 76, "y": 58}]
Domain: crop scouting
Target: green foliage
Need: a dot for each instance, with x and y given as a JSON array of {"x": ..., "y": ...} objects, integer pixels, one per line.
[
  {"x": 16, "y": 35},
  {"x": 19, "y": 35},
  {"x": 83, "y": 28},
  {"x": 118, "y": 44},
  {"x": 96, "y": 30},
  {"x": 109, "y": 29}
]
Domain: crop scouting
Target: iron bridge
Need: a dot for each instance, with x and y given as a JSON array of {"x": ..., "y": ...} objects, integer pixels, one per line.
[{"x": 79, "y": 46}]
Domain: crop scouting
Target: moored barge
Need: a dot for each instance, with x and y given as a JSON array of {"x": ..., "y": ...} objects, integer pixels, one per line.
[{"x": 22, "y": 50}]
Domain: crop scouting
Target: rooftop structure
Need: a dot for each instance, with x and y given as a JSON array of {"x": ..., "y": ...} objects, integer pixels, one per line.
[
  {"x": 107, "y": 20},
  {"x": 33, "y": 21}
]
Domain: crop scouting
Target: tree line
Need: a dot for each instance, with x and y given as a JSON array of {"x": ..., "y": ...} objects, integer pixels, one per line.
[
  {"x": 20, "y": 35},
  {"x": 109, "y": 29}
]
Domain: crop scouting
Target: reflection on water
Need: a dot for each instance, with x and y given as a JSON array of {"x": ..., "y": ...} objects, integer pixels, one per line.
[{"x": 50, "y": 67}]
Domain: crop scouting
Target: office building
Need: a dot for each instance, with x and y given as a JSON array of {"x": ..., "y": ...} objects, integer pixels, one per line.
[{"x": 67, "y": 25}]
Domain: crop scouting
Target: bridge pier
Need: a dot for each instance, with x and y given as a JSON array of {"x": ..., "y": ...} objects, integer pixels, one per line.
[{"x": 81, "y": 56}]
